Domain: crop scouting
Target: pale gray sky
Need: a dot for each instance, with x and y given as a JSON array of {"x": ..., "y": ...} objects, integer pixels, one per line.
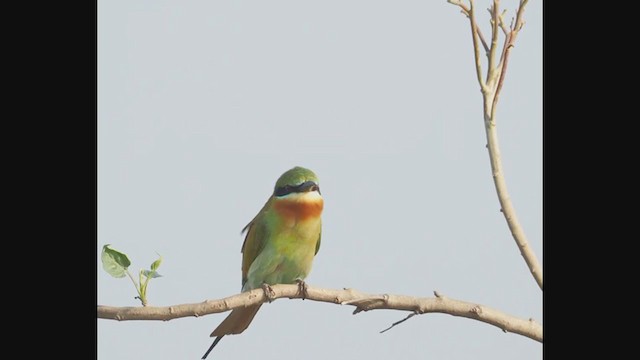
[{"x": 203, "y": 104}]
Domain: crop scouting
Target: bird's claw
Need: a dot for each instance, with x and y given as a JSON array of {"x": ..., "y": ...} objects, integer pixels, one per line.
[
  {"x": 268, "y": 292},
  {"x": 302, "y": 288}
]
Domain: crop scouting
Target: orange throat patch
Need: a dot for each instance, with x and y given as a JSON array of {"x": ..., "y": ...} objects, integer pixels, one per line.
[{"x": 299, "y": 209}]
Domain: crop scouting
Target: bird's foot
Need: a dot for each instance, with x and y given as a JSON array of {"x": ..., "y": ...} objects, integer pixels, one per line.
[
  {"x": 302, "y": 288},
  {"x": 268, "y": 292}
]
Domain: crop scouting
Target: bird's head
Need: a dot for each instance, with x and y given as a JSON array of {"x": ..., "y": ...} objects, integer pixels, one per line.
[
  {"x": 296, "y": 196},
  {"x": 296, "y": 182}
]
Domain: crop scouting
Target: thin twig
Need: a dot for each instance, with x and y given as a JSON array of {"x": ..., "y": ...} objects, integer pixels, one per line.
[
  {"x": 399, "y": 322},
  {"x": 519, "y": 15},
  {"x": 484, "y": 42},
  {"x": 503, "y": 26},
  {"x": 504, "y": 60},
  {"x": 476, "y": 50},
  {"x": 460, "y": 4},
  {"x": 491, "y": 71},
  {"x": 466, "y": 11}
]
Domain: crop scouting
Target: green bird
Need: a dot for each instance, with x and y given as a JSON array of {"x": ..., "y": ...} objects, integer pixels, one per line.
[{"x": 280, "y": 244}]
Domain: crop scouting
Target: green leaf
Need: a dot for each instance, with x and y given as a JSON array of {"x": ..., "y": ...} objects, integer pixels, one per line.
[
  {"x": 114, "y": 262},
  {"x": 156, "y": 264},
  {"x": 150, "y": 274}
]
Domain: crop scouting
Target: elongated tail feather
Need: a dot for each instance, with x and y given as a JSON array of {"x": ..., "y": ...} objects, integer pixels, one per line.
[
  {"x": 215, "y": 342},
  {"x": 235, "y": 323}
]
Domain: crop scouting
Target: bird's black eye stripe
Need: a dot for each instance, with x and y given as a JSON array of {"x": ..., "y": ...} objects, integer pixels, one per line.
[
  {"x": 288, "y": 189},
  {"x": 283, "y": 190}
]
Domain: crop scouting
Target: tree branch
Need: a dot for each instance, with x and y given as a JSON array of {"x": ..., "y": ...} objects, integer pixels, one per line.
[
  {"x": 504, "y": 28},
  {"x": 484, "y": 42},
  {"x": 500, "y": 183},
  {"x": 491, "y": 75},
  {"x": 475, "y": 31},
  {"x": 362, "y": 302},
  {"x": 491, "y": 91},
  {"x": 506, "y": 50}
]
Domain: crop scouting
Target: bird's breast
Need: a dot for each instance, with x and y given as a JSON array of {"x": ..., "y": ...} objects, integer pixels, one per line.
[{"x": 300, "y": 209}]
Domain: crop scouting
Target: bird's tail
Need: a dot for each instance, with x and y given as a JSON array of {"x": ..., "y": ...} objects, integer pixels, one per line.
[{"x": 235, "y": 323}]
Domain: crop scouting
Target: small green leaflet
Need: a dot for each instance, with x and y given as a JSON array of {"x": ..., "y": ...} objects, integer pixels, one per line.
[
  {"x": 156, "y": 264},
  {"x": 150, "y": 274},
  {"x": 114, "y": 262}
]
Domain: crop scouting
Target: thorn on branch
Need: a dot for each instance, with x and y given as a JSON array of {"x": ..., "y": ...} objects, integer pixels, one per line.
[
  {"x": 437, "y": 294},
  {"x": 400, "y": 321}
]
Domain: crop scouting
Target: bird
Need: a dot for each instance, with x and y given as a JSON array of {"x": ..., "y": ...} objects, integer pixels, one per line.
[{"x": 280, "y": 243}]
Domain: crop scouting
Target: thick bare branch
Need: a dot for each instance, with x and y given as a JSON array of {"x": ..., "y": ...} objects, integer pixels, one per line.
[
  {"x": 362, "y": 302},
  {"x": 507, "y": 208}
]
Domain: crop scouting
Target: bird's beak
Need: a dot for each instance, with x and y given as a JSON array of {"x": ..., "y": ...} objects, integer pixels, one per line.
[{"x": 308, "y": 186}]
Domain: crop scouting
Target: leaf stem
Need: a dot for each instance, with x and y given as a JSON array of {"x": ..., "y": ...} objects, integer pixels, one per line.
[
  {"x": 142, "y": 299},
  {"x": 143, "y": 288}
]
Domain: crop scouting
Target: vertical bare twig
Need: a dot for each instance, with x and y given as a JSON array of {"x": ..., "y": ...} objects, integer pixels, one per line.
[
  {"x": 491, "y": 88},
  {"x": 476, "y": 48},
  {"x": 491, "y": 76},
  {"x": 509, "y": 44}
]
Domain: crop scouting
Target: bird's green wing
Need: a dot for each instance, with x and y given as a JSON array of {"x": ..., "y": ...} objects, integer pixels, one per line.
[
  {"x": 257, "y": 233},
  {"x": 318, "y": 243}
]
